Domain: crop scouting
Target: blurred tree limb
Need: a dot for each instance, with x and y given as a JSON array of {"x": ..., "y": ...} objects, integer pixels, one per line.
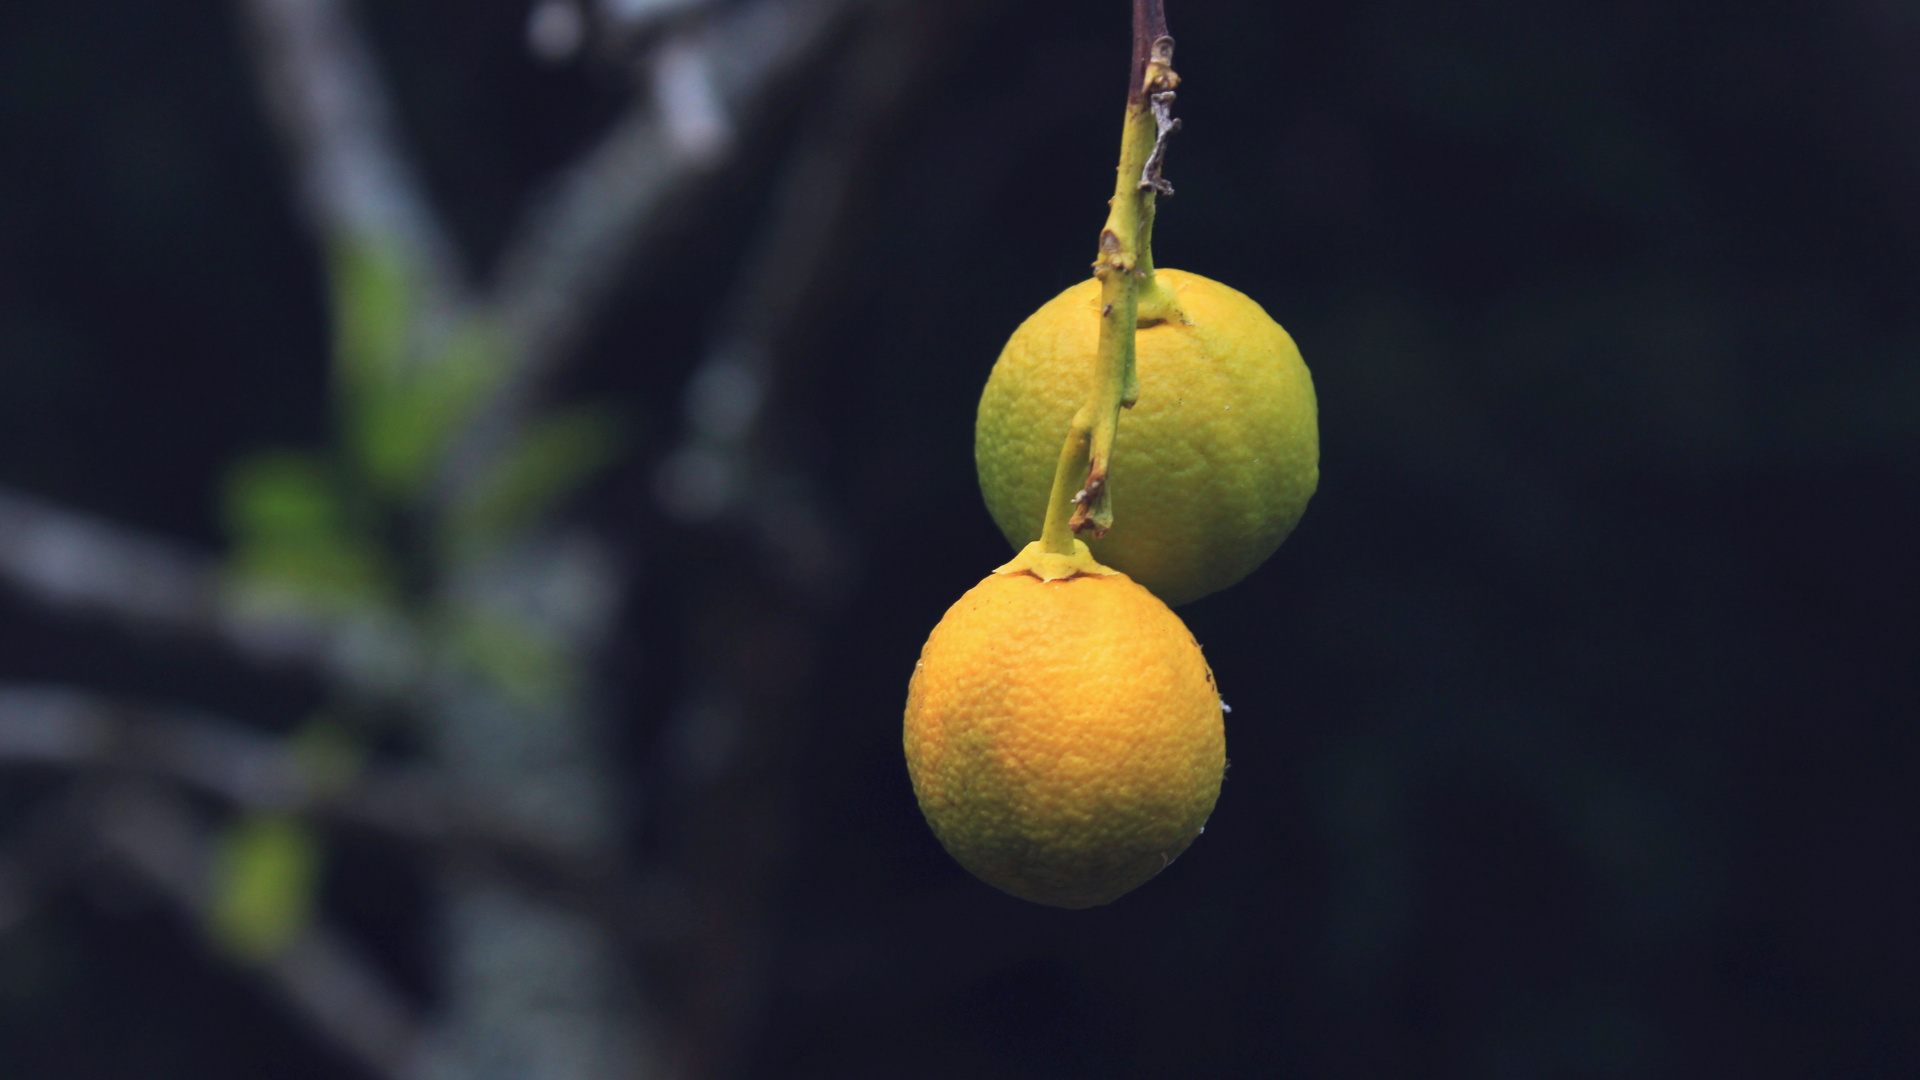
[
  {"x": 70, "y": 729},
  {"x": 159, "y": 838},
  {"x": 440, "y": 371},
  {"x": 80, "y": 564},
  {"x": 730, "y": 477}
]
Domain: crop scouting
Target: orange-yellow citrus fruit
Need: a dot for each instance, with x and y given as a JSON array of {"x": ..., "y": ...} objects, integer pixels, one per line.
[
  {"x": 1064, "y": 736},
  {"x": 1211, "y": 469}
]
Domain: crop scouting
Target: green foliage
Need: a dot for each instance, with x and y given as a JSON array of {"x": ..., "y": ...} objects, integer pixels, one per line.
[
  {"x": 265, "y": 873},
  {"x": 328, "y": 756},
  {"x": 398, "y": 429},
  {"x": 310, "y": 528},
  {"x": 296, "y": 531},
  {"x": 525, "y": 664},
  {"x": 401, "y": 410},
  {"x": 548, "y": 462},
  {"x": 373, "y": 299}
]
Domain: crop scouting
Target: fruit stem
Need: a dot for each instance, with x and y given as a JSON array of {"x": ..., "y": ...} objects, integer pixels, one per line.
[{"x": 1129, "y": 294}]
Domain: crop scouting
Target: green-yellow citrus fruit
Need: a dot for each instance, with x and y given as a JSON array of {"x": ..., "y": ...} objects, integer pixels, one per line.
[
  {"x": 1064, "y": 736},
  {"x": 1211, "y": 469}
]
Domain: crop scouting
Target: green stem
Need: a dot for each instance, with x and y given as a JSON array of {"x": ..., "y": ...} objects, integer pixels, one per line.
[{"x": 1129, "y": 293}]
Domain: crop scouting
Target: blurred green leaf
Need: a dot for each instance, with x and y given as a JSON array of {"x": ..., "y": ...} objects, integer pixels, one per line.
[
  {"x": 265, "y": 873},
  {"x": 398, "y": 434},
  {"x": 329, "y": 757},
  {"x": 400, "y": 409},
  {"x": 292, "y": 531},
  {"x": 526, "y": 664},
  {"x": 373, "y": 299},
  {"x": 551, "y": 460}
]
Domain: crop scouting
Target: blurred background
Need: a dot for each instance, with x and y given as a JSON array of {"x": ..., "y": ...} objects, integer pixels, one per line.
[{"x": 475, "y": 477}]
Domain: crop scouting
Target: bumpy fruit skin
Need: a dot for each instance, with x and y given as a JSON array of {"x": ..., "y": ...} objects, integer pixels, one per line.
[
  {"x": 1211, "y": 469},
  {"x": 1064, "y": 737}
]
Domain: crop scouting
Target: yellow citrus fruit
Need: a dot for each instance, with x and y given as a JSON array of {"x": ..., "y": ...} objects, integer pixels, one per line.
[
  {"x": 1064, "y": 736},
  {"x": 1211, "y": 469}
]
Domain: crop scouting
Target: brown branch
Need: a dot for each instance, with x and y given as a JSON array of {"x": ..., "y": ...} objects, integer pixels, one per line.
[{"x": 1149, "y": 26}]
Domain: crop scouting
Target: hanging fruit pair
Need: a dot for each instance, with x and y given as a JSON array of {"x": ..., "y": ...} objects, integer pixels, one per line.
[{"x": 1063, "y": 732}]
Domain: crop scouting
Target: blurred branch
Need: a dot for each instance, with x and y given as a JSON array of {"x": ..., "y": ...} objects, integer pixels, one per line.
[
  {"x": 79, "y": 563},
  {"x": 326, "y": 95},
  {"x": 531, "y": 756},
  {"x": 720, "y": 472},
  {"x": 328, "y": 98},
  {"x": 70, "y": 729},
  {"x": 558, "y": 29},
  {"x": 561, "y": 263},
  {"x": 73, "y": 561},
  {"x": 564, "y": 259},
  {"x": 37, "y": 857},
  {"x": 160, "y": 839},
  {"x": 20, "y": 889},
  {"x": 66, "y": 728},
  {"x": 569, "y": 247},
  {"x": 520, "y": 776},
  {"x": 752, "y": 660}
]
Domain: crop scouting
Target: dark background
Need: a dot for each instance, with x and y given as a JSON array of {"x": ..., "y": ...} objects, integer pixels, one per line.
[{"x": 1574, "y": 731}]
